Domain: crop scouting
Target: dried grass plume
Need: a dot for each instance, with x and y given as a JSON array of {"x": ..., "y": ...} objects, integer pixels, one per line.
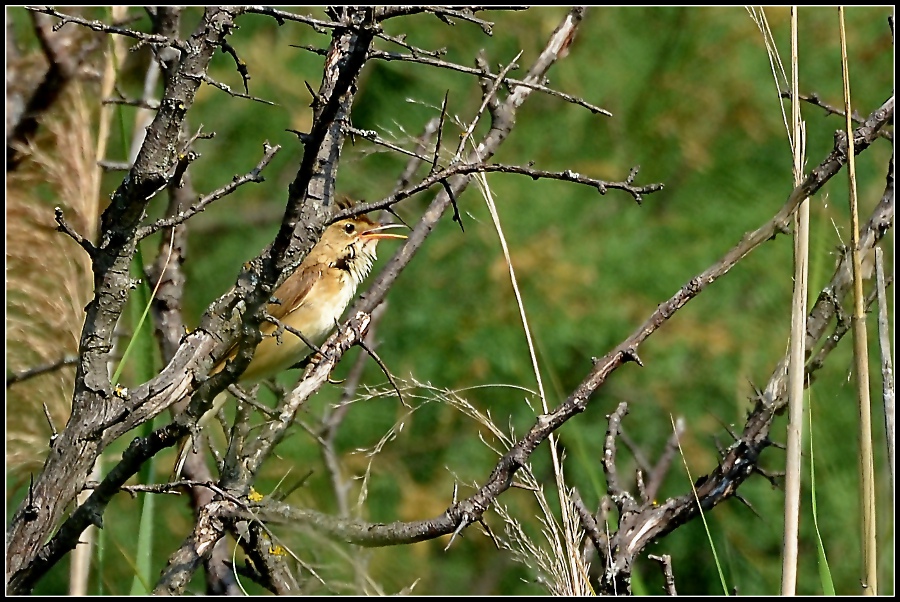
[{"x": 48, "y": 276}]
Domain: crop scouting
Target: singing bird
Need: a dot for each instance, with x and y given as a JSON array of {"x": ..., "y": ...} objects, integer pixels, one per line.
[
  {"x": 313, "y": 298},
  {"x": 311, "y": 301}
]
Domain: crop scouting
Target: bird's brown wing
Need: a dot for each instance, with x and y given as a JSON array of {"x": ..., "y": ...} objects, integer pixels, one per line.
[
  {"x": 294, "y": 290},
  {"x": 290, "y": 295}
]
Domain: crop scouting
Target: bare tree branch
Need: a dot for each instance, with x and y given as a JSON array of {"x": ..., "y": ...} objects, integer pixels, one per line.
[
  {"x": 95, "y": 403},
  {"x": 145, "y": 38},
  {"x": 17, "y": 377},
  {"x": 645, "y": 523},
  {"x": 40, "y": 533},
  {"x": 255, "y": 175}
]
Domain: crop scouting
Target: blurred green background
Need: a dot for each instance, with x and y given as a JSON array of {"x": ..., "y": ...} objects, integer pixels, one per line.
[{"x": 694, "y": 104}]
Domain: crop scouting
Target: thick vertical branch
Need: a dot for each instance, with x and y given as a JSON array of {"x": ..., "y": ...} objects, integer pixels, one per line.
[
  {"x": 308, "y": 209},
  {"x": 95, "y": 403},
  {"x": 304, "y": 221}
]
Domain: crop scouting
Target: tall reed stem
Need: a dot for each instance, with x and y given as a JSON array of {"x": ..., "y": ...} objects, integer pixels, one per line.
[
  {"x": 860, "y": 353},
  {"x": 796, "y": 368}
]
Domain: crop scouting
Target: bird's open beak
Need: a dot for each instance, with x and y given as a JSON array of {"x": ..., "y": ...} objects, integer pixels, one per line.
[{"x": 378, "y": 233}]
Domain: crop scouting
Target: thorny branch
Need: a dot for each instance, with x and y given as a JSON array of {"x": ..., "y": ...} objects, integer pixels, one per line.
[
  {"x": 227, "y": 89},
  {"x": 649, "y": 521},
  {"x": 145, "y": 38},
  {"x": 96, "y": 403},
  {"x": 17, "y": 377},
  {"x": 829, "y": 109},
  {"x": 139, "y": 407},
  {"x": 466, "y": 169},
  {"x": 422, "y": 58},
  {"x": 641, "y": 526},
  {"x": 105, "y": 414},
  {"x": 715, "y": 488},
  {"x": 255, "y": 175}
]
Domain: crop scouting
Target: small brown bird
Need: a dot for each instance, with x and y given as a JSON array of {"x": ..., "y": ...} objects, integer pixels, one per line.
[
  {"x": 310, "y": 301},
  {"x": 313, "y": 298}
]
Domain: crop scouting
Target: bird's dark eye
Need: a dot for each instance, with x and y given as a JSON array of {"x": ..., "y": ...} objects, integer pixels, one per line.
[{"x": 349, "y": 228}]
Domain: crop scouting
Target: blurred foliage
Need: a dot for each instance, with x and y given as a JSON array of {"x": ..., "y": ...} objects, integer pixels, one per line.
[{"x": 693, "y": 103}]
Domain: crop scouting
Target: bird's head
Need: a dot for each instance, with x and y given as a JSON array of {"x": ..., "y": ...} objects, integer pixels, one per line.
[{"x": 350, "y": 244}]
